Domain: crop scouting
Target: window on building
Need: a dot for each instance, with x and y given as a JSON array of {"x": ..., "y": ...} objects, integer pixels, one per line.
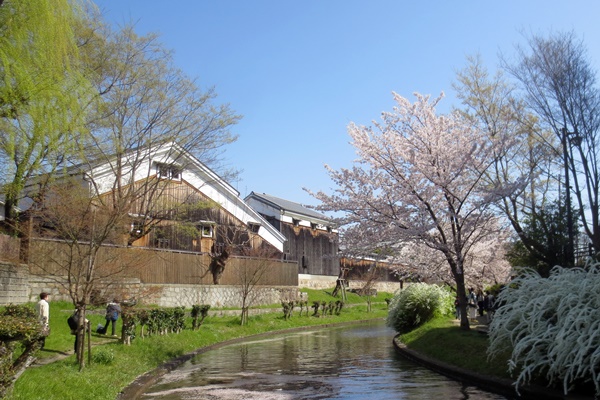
[
  {"x": 254, "y": 226},
  {"x": 206, "y": 230},
  {"x": 296, "y": 222},
  {"x": 168, "y": 171}
]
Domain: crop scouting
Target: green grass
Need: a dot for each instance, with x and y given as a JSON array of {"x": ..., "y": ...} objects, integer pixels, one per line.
[
  {"x": 352, "y": 298},
  {"x": 103, "y": 380},
  {"x": 442, "y": 339}
]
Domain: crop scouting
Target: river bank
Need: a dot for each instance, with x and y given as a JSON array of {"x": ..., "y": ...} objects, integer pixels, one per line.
[
  {"x": 115, "y": 366},
  {"x": 440, "y": 346}
]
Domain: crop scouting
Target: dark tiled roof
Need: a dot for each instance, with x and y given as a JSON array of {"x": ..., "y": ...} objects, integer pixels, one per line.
[{"x": 290, "y": 206}]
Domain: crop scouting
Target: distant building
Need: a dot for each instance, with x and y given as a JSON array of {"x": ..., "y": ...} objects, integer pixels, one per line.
[
  {"x": 312, "y": 238},
  {"x": 179, "y": 203}
]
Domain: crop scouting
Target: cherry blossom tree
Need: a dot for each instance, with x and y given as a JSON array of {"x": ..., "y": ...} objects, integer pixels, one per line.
[
  {"x": 419, "y": 181},
  {"x": 484, "y": 266}
]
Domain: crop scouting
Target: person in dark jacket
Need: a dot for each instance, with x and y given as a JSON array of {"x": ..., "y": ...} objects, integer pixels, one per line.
[{"x": 113, "y": 309}]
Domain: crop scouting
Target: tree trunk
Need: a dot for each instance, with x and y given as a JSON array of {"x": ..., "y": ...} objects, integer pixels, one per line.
[
  {"x": 80, "y": 339},
  {"x": 10, "y": 215},
  {"x": 462, "y": 301}
]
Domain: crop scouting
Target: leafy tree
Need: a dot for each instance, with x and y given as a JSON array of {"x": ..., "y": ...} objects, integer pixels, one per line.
[
  {"x": 548, "y": 227},
  {"x": 419, "y": 179},
  {"x": 43, "y": 93}
]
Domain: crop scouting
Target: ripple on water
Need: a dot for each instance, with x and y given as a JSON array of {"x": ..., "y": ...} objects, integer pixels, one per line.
[{"x": 356, "y": 362}]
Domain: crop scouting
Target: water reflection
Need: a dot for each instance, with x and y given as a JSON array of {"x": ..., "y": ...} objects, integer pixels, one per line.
[{"x": 357, "y": 362}]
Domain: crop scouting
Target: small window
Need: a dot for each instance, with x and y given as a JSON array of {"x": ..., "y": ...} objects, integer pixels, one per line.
[
  {"x": 313, "y": 225},
  {"x": 254, "y": 227},
  {"x": 168, "y": 171},
  {"x": 296, "y": 222},
  {"x": 206, "y": 230}
]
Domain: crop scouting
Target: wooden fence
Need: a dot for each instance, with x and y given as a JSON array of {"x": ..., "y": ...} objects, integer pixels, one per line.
[
  {"x": 153, "y": 266},
  {"x": 9, "y": 248}
]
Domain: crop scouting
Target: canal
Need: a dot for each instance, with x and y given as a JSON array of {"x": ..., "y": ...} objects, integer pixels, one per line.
[{"x": 350, "y": 362}]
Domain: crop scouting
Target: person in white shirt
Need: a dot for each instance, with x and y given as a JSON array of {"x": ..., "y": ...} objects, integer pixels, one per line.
[{"x": 43, "y": 311}]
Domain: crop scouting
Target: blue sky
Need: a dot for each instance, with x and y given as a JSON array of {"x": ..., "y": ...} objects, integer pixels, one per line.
[{"x": 300, "y": 71}]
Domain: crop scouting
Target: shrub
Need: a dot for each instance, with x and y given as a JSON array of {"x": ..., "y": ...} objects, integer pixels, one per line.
[
  {"x": 417, "y": 304},
  {"x": 551, "y": 326},
  {"x": 199, "y": 313},
  {"x": 20, "y": 338},
  {"x": 103, "y": 356}
]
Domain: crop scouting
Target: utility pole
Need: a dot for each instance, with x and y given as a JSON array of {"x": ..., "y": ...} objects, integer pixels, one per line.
[{"x": 570, "y": 251}]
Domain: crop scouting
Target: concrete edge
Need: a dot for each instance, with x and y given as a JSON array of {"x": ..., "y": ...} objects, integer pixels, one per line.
[
  {"x": 504, "y": 387},
  {"x": 134, "y": 390}
]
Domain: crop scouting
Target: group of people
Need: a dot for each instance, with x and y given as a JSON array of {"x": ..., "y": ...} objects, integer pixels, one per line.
[
  {"x": 113, "y": 310},
  {"x": 478, "y": 304}
]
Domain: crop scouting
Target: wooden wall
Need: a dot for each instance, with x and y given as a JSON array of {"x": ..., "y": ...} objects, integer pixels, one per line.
[
  {"x": 319, "y": 249},
  {"x": 9, "y": 248},
  {"x": 154, "y": 266}
]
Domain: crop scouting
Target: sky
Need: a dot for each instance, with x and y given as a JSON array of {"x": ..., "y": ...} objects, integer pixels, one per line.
[{"x": 300, "y": 71}]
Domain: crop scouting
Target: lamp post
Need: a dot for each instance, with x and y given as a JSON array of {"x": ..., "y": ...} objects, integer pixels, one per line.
[{"x": 570, "y": 251}]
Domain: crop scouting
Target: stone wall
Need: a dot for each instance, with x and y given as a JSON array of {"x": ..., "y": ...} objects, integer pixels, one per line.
[
  {"x": 18, "y": 286},
  {"x": 14, "y": 283},
  {"x": 217, "y": 295},
  {"x": 320, "y": 282}
]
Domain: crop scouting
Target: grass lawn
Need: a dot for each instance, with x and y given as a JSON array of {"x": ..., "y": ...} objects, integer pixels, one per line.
[
  {"x": 442, "y": 339},
  {"x": 114, "y": 365}
]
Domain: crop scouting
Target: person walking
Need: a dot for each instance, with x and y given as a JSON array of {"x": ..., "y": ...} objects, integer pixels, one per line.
[
  {"x": 490, "y": 306},
  {"x": 472, "y": 304},
  {"x": 43, "y": 311},
  {"x": 113, "y": 309},
  {"x": 456, "y": 308},
  {"x": 480, "y": 302}
]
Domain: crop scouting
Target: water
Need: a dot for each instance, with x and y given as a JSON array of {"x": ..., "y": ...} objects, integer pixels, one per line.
[{"x": 353, "y": 362}]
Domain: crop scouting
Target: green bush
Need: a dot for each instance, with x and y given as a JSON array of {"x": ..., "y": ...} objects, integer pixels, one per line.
[
  {"x": 103, "y": 356},
  {"x": 417, "y": 304}
]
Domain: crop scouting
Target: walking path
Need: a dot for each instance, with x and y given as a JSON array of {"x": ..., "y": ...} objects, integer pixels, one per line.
[{"x": 60, "y": 355}]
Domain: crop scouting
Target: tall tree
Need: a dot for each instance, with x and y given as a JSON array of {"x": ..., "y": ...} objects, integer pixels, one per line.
[
  {"x": 43, "y": 93},
  {"x": 146, "y": 104},
  {"x": 560, "y": 87},
  {"x": 492, "y": 103},
  {"x": 419, "y": 179}
]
